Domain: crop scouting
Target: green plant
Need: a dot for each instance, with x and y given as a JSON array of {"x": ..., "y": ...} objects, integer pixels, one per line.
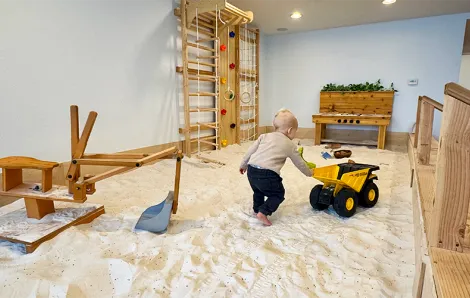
[{"x": 364, "y": 87}]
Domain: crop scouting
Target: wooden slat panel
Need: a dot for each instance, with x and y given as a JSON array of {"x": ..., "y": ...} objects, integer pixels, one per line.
[
  {"x": 451, "y": 273},
  {"x": 357, "y": 102}
]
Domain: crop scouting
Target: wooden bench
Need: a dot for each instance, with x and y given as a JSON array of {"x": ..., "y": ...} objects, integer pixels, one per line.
[
  {"x": 12, "y": 183},
  {"x": 354, "y": 108}
]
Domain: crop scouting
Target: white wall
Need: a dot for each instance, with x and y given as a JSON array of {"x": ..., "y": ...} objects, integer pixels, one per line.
[
  {"x": 464, "y": 78},
  {"x": 114, "y": 57},
  {"x": 429, "y": 49}
]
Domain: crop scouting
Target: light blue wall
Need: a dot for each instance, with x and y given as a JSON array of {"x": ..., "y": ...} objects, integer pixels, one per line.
[{"x": 298, "y": 65}]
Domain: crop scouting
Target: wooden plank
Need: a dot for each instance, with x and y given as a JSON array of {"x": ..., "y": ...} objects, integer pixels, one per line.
[
  {"x": 200, "y": 47},
  {"x": 351, "y": 119},
  {"x": 357, "y": 102},
  {"x": 451, "y": 273},
  {"x": 22, "y": 162},
  {"x": 466, "y": 39},
  {"x": 425, "y": 132},
  {"x": 27, "y": 190},
  {"x": 38, "y": 208},
  {"x": 418, "y": 120},
  {"x": 201, "y": 63},
  {"x": 451, "y": 205},
  {"x": 11, "y": 178},
  {"x": 204, "y": 126},
  {"x": 437, "y": 105}
]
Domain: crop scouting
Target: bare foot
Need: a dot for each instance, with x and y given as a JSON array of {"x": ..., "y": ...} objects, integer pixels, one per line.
[{"x": 263, "y": 218}]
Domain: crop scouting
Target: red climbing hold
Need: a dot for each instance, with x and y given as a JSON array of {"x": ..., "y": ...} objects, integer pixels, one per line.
[
  {"x": 223, "y": 111},
  {"x": 232, "y": 65},
  {"x": 223, "y": 47}
]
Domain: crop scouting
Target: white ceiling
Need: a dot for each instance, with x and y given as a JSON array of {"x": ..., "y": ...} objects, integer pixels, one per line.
[{"x": 322, "y": 14}]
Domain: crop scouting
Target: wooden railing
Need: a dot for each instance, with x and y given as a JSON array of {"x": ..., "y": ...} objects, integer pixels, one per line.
[
  {"x": 441, "y": 206},
  {"x": 424, "y": 125}
]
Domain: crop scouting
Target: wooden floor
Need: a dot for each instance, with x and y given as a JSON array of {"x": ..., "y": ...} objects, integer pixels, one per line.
[{"x": 450, "y": 270}]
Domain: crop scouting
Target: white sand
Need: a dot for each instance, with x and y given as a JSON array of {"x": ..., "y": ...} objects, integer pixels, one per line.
[{"x": 216, "y": 248}]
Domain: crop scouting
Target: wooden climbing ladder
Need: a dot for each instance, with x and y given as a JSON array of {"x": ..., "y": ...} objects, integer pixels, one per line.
[{"x": 202, "y": 23}]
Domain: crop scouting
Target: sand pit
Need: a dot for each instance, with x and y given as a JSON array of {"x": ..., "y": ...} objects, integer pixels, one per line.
[{"x": 215, "y": 247}]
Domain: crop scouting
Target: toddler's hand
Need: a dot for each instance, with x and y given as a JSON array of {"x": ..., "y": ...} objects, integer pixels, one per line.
[{"x": 242, "y": 171}]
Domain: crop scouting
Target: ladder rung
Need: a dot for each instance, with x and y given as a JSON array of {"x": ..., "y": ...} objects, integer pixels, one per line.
[
  {"x": 209, "y": 143},
  {"x": 208, "y": 57},
  {"x": 209, "y": 125},
  {"x": 203, "y": 110},
  {"x": 203, "y": 94},
  {"x": 201, "y": 47},
  {"x": 202, "y": 79},
  {"x": 207, "y": 39},
  {"x": 201, "y": 63},
  {"x": 204, "y": 138}
]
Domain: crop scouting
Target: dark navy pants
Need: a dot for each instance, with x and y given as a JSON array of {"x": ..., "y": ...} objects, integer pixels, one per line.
[{"x": 265, "y": 183}]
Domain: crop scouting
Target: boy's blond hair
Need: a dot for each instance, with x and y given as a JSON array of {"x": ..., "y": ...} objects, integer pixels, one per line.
[{"x": 284, "y": 120}]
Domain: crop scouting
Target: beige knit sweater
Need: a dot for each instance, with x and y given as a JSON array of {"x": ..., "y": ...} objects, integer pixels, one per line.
[{"x": 270, "y": 152}]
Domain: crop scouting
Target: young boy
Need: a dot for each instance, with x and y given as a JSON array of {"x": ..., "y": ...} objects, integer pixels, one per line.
[{"x": 264, "y": 161}]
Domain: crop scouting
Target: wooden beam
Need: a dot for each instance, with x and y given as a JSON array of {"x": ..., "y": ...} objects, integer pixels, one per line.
[
  {"x": 75, "y": 138},
  {"x": 81, "y": 146},
  {"x": 116, "y": 155},
  {"x": 425, "y": 132},
  {"x": 257, "y": 82},
  {"x": 156, "y": 156},
  {"x": 185, "y": 71},
  {"x": 452, "y": 200},
  {"x": 107, "y": 162},
  {"x": 466, "y": 39},
  {"x": 437, "y": 105},
  {"x": 237, "y": 81},
  {"x": 193, "y": 71},
  {"x": 107, "y": 174}
]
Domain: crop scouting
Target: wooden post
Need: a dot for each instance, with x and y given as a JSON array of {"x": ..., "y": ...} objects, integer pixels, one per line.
[
  {"x": 418, "y": 117},
  {"x": 184, "y": 38},
  {"x": 179, "y": 157},
  {"x": 74, "y": 139},
  {"x": 452, "y": 200},
  {"x": 318, "y": 133},
  {"x": 425, "y": 133},
  {"x": 381, "y": 138},
  {"x": 46, "y": 180},
  {"x": 237, "y": 81},
  {"x": 257, "y": 84}
]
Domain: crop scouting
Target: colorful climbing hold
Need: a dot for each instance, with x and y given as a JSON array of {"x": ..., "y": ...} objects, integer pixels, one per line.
[
  {"x": 224, "y": 143},
  {"x": 232, "y": 34},
  {"x": 223, "y": 81},
  {"x": 223, "y": 111},
  {"x": 223, "y": 48},
  {"x": 232, "y": 65},
  {"x": 233, "y": 125}
]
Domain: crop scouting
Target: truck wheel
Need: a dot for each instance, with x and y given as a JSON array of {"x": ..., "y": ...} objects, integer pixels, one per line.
[
  {"x": 369, "y": 195},
  {"x": 315, "y": 196},
  {"x": 345, "y": 202}
]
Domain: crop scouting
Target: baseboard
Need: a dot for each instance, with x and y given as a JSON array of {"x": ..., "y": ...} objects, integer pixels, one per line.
[{"x": 396, "y": 141}]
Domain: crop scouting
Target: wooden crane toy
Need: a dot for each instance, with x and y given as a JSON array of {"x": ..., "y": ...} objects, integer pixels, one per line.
[{"x": 60, "y": 202}]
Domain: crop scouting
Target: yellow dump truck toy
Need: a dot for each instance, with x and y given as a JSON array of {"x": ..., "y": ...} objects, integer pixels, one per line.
[{"x": 345, "y": 186}]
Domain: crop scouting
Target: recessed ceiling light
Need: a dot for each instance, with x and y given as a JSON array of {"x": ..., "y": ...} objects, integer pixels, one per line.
[
  {"x": 296, "y": 15},
  {"x": 387, "y": 2},
  {"x": 282, "y": 29}
]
